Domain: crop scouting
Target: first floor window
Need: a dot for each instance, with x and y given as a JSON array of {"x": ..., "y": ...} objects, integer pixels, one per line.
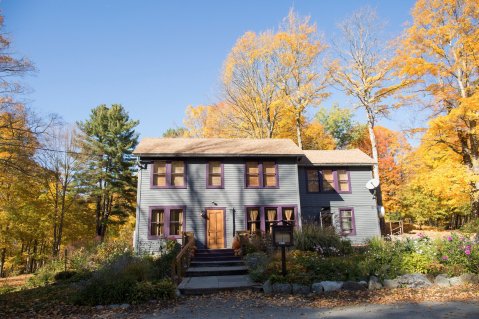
[
  {"x": 271, "y": 217},
  {"x": 261, "y": 219},
  {"x": 288, "y": 214},
  {"x": 254, "y": 220},
  {"x": 166, "y": 221},
  {"x": 157, "y": 222},
  {"x": 176, "y": 222},
  {"x": 346, "y": 218}
]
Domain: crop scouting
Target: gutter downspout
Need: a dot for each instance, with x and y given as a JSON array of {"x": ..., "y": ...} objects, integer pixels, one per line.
[{"x": 138, "y": 212}]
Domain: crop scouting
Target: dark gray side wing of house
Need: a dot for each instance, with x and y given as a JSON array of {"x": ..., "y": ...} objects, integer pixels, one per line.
[{"x": 360, "y": 199}]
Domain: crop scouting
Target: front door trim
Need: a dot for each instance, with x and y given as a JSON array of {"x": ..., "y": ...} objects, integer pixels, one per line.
[{"x": 224, "y": 224}]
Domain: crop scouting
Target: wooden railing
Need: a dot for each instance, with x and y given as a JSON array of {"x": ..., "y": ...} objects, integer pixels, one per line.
[
  {"x": 183, "y": 259},
  {"x": 396, "y": 230}
]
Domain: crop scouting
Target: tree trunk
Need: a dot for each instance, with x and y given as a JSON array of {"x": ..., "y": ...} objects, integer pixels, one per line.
[
  {"x": 298, "y": 131},
  {"x": 2, "y": 261},
  {"x": 374, "y": 152}
]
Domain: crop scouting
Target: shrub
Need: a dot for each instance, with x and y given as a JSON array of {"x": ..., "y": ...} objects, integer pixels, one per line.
[
  {"x": 46, "y": 274},
  {"x": 65, "y": 275},
  {"x": 145, "y": 291},
  {"x": 163, "y": 263},
  {"x": 325, "y": 241},
  {"x": 383, "y": 258},
  {"x": 458, "y": 254},
  {"x": 116, "y": 281},
  {"x": 257, "y": 243},
  {"x": 257, "y": 263}
]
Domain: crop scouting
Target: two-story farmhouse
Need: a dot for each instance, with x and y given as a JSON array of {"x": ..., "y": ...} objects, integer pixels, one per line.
[{"x": 215, "y": 187}]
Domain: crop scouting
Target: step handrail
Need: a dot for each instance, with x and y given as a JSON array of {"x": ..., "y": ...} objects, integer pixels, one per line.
[{"x": 183, "y": 259}]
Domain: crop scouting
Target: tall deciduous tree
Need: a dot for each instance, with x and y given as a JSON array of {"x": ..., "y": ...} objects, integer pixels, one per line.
[
  {"x": 302, "y": 81},
  {"x": 60, "y": 161},
  {"x": 251, "y": 73},
  {"x": 440, "y": 51},
  {"x": 364, "y": 70},
  {"x": 108, "y": 140}
]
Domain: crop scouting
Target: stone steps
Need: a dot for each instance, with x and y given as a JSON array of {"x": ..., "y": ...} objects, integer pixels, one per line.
[
  {"x": 216, "y": 263},
  {"x": 215, "y": 270},
  {"x": 213, "y": 284}
]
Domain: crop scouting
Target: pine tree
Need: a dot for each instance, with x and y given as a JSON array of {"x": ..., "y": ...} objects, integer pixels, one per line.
[{"x": 108, "y": 178}]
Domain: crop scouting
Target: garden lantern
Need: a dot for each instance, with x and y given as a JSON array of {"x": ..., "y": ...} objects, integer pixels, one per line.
[{"x": 282, "y": 237}]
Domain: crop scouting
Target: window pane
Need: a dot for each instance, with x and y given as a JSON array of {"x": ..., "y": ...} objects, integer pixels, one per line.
[
  {"x": 177, "y": 180},
  {"x": 313, "y": 182},
  {"x": 344, "y": 186},
  {"x": 156, "y": 227},
  {"x": 214, "y": 180},
  {"x": 177, "y": 167},
  {"x": 176, "y": 221},
  {"x": 253, "y": 214},
  {"x": 252, "y": 168},
  {"x": 253, "y": 218},
  {"x": 328, "y": 180},
  {"x": 157, "y": 215},
  {"x": 159, "y": 180},
  {"x": 313, "y": 186},
  {"x": 160, "y": 167},
  {"x": 270, "y": 181},
  {"x": 343, "y": 175},
  {"x": 269, "y": 168},
  {"x": 346, "y": 213},
  {"x": 156, "y": 230},
  {"x": 288, "y": 214},
  {"x": 215, "y": 167},
  {"x": 253, "y": 180},
  {"x": 271, "y": 214},
  {"x": 312, "y": 175}
]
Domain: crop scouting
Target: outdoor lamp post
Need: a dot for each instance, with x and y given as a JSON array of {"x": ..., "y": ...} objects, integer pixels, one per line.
[{"x": 282, "y": 237}]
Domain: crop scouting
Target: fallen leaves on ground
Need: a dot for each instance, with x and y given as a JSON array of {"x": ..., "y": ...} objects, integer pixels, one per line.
[{"x": 11, "y": 306}]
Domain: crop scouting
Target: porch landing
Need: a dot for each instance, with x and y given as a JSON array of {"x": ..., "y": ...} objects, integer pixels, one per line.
[{"x": 215, "y": 270}]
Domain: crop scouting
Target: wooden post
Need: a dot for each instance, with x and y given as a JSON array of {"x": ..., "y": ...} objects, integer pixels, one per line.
[{"x": 283, "y": 260}]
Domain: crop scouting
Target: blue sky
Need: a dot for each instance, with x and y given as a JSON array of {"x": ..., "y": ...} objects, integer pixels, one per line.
[{"x": 155, "y": 57}]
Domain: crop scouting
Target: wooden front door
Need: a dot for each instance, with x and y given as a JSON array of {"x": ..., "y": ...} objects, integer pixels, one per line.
[{"x": 215, "y": 229}]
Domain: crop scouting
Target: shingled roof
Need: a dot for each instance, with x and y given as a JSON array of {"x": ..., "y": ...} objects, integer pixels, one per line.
[
  {"x": 210, "y": 147},
  {"x": 353, "y": 157}
]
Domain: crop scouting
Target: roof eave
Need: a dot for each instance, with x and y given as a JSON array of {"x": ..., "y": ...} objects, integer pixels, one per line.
[
  {"x": 336, "y": 164},
  {"x": 213, "y": 155}
]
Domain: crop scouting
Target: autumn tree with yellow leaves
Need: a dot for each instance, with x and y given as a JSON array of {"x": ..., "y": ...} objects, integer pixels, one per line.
[{"x": 439, "y": 53}]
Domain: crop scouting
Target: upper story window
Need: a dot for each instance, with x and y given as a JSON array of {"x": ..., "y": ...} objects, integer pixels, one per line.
[
  {"x": 344, "y": 184},
  {"x": 328, "y": 180},
  {"x": 166, "y": 221},
  {"x": 169, "y": 174},
  {"x": 214, "y": 178},
  {"x": 261, "y": 174}
]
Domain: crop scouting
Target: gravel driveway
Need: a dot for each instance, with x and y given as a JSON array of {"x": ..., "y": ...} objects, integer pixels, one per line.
[{"x": 224, "y": 309}]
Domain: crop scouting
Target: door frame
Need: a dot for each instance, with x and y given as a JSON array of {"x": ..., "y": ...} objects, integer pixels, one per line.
[{"x": 224, "y": 224}]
